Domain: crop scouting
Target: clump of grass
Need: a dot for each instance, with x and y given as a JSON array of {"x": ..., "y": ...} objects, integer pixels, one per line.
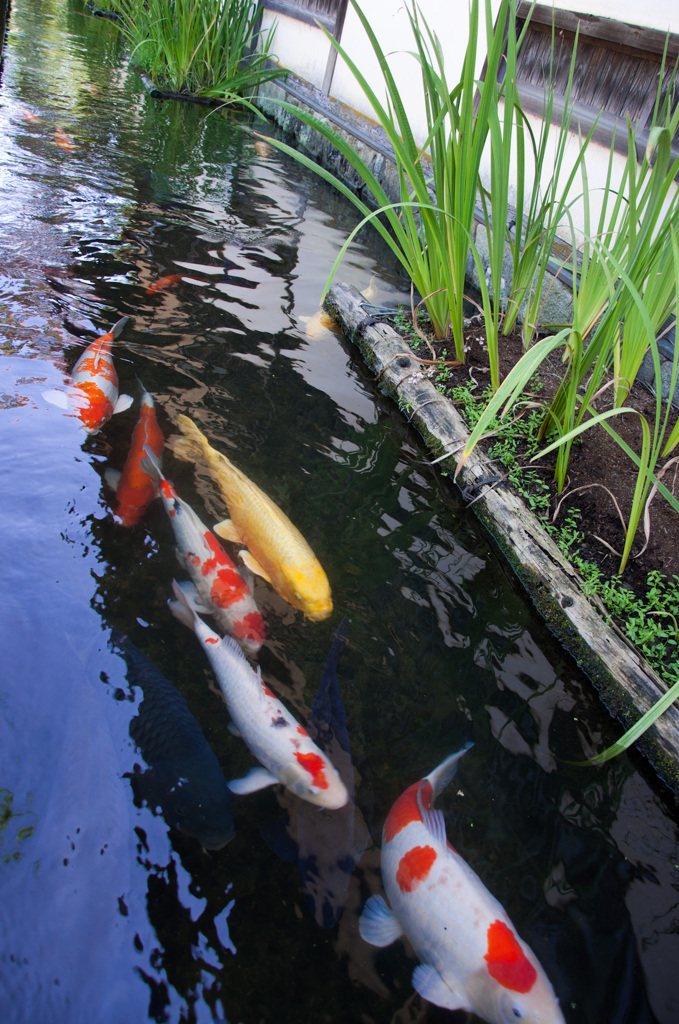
[{"x": 207, "y": 50}]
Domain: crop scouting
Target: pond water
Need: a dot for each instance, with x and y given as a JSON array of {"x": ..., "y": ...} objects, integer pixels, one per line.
[{"x": 107, "y": 913}]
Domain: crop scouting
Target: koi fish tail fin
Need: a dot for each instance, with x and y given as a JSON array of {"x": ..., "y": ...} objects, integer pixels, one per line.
[
  {"x": 193, "y": 434},
  {"x": 188, "y": 450},
  {"x": 445, "y": 772},
  {"x": 181, "y": 608},
  {"x": 118, "y": 327}
]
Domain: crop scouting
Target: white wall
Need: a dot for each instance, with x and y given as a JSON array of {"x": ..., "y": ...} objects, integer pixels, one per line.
[
  {"x": 390, "y": 22},
  {"x": 660, "y": 14},
  {"x": 304, "y": 50},
  {"x": 301, "y": 48}
]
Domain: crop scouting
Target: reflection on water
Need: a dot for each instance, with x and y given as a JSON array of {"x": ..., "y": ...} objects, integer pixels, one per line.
[{"x": 107, "y": 912}]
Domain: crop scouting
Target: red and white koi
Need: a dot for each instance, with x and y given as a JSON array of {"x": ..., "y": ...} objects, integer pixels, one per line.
[
  {"x": 471, "y": 957},
  {"x": 222, "y": 590},
  {"x": 283, "y": 747},
  {"x": 93, "y": 394},
  {"x": 135, "y": 488}
]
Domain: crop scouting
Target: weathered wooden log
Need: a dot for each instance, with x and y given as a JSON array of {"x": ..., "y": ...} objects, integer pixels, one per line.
[{"x": 627, "y": 684}]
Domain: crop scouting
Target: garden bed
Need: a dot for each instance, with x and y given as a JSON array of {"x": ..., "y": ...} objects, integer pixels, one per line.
[{"x": 627, "y": 683}]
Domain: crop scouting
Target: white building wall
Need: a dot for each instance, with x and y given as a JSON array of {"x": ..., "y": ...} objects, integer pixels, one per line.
[
  {"x": 660, "y": 14},
  {"x": 391, "y": 24},
  {"x": 304, "y": 50},
  {"x": 301, "y": 48}
]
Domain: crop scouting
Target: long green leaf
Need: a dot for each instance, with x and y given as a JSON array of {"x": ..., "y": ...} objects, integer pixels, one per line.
[{"x": 637, "y": 730}]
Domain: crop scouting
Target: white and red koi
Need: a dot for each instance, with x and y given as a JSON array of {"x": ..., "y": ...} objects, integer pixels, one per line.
[
  {"x": 282, "y": 746},
  {"x": 471, "y": 957},
  {"x": 93, "y": 394},
  {"x": 135, "y": 488},
  {"x": 222, "y": 590}
]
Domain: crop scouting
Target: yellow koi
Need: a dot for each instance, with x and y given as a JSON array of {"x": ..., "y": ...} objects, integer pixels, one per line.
[{"x": 277, "y": 550}]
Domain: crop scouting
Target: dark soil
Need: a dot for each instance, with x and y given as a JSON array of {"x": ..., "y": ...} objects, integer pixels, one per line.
[{"x": 597, "y": 464}]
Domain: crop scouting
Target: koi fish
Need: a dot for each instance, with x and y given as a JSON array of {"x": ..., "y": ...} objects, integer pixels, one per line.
[
  {"x": 284, "y": 749},
  {"x": 183, "y": 777},
  {"x": 94, "y": 384},
  {"x": 134, "y": 487},
  {"x": 319, "y": 325},
  {"x": 64, "y": 141},
  {"x": 164, "y": 284},
  {"x": 471, "y": 957},
  {"x": 222, "y": 591},
  {"x": 276, "y": 550}
]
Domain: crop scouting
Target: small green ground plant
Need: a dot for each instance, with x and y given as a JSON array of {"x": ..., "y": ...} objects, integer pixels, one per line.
[{"x": 197, "y": 47}]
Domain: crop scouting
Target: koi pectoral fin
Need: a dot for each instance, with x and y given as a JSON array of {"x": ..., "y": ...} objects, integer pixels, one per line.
[
  {"x": 431, "y": 986},
  {"x": 56, "y": 397},
  {"x": 112, "y": 478},
  {"x": 256, "y": 779},
  {"x": 124, "y": 402},
  {"x": 253, "y": 565},
  {"x": 227, "y": 531},
  {"x": 377, "y": 923}
]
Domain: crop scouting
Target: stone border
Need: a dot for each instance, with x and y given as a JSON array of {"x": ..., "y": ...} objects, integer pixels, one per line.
[{"x": 627, "y": 684}]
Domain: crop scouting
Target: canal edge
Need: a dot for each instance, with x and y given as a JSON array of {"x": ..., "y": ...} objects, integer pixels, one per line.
[{"x": 627, "y": 685}]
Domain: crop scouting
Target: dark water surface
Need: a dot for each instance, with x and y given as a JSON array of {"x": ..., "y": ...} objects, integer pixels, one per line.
[{"x": 108, "y": 915}]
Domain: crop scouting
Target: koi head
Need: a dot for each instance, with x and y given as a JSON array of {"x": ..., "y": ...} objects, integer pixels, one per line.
[
  {"x": 512, "y": 987},
  {"x": 314, "y": 779},
  {"x": 310, "y": 592},
  {"x": 92, "y": 405}
]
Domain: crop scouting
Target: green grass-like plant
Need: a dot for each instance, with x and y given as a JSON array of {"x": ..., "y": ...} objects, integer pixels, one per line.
[
  {"x": 202, "y": 49},
  {"x": 429, "y": 227}
]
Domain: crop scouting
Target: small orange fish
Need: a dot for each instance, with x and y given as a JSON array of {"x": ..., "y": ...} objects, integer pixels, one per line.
[
  {"x": 135, "y": 489},
  {"x": 164, "y": 284},
  {"x": 28, "y": 115},
  {"x": 262, "y": 148},
  {"x": 64, "y": 141}
]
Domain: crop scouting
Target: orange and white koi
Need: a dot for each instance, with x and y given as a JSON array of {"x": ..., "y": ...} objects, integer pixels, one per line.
[
  {"x": 276, "y": 550},
  {"x": 164, "y": 284},
  {"x": 221, "y": 589},
  {"x": 93, "y": 393},
  {"x": 135, "y": 488},
  {"x": 64, "y": 141},
  {"x": 283, "y": 747},
  {"x": 471, "y": 957}
]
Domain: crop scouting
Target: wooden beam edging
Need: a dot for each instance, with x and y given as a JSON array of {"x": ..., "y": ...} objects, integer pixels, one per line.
[{"x": 627, "y": 684}]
